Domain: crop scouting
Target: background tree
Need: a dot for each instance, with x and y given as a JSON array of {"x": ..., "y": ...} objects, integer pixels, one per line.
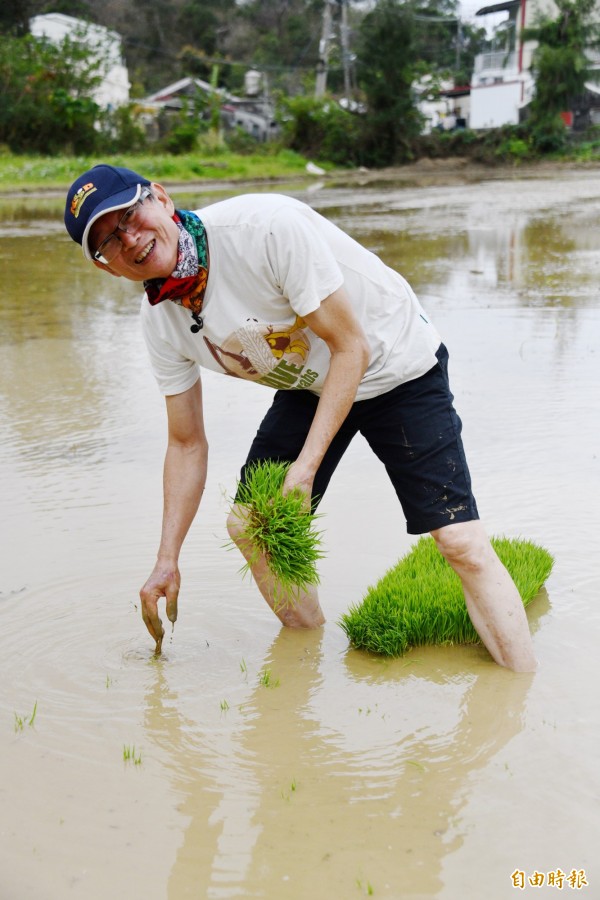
[
  {"x": 561, "y": 67},
  {"x": 15, "y": 14},
  {"x": 436, "y": 32},
  {"x": 14, "y": 17},
  {"x": 320, "y": 129},
  {"x": 443, "y": 43},
  {"x": 386, "y": 71},
  {"x": 204, "y": 25},
  {"x": 45, "y": 96},
  {"x": 473, "y": 40},
  {"x": 280, "y": 37}
]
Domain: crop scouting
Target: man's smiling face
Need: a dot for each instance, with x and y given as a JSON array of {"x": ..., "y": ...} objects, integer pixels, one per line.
[{"x": 150, "y": 249}]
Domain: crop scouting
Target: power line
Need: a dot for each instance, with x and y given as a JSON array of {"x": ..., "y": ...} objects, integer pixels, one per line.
[{"x": 224, "y": 61}]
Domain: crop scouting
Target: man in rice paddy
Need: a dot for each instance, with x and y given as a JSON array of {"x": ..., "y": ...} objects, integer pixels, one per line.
[{"x": 263, "y": 288}]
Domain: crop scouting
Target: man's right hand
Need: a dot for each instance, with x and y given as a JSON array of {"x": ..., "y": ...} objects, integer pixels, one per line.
[{"x": 164, "y": 581}]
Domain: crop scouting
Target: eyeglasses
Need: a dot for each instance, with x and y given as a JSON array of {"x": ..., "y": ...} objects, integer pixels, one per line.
[{"x": 112, "y": 245}]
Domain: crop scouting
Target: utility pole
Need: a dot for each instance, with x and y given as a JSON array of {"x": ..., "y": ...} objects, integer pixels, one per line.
[
  {"x": 345, "y": 49},
  {"x": 321, "y": 81}
]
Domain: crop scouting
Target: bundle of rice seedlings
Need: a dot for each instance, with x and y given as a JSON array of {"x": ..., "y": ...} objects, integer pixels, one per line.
[
  {"x": 279, "y": 526},
  {"x": 420, "y": 599}
]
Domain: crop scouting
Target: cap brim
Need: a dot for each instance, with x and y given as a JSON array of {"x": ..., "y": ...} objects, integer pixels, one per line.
[{"x": 117, "y": 201}]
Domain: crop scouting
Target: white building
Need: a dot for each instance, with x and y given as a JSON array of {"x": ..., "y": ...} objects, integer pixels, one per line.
[
  {"x": 104, "y": 45},
  {"x": 502, "y": 83}
]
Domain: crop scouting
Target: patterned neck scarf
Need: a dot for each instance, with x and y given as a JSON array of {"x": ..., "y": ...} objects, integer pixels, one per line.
[{"x": 186, "y": 285}]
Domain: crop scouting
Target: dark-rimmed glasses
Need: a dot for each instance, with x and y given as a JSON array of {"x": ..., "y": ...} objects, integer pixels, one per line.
[{"x": 112, "y": 245}]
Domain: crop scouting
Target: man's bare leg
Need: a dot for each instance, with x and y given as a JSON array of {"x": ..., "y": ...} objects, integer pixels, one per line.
[
  {"x": 298, "y": 610},
  {"x": 493, "y": 602}
]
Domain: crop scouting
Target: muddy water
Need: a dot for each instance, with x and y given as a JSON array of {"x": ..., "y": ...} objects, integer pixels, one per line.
[{"x": 279, "y": 764}]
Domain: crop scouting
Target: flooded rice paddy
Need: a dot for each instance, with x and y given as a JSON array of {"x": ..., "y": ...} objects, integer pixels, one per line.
[{"x": 279, "y": 764}]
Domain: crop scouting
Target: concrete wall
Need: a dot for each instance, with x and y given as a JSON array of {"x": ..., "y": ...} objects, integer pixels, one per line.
[{"x": 493, "y": 105}]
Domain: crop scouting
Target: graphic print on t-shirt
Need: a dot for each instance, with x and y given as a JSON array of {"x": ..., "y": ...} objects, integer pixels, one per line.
[{"x": 270, "y": 354}]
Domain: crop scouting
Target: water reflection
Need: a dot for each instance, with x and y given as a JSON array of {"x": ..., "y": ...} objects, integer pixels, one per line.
[
  {"x": 530, "y": 261},
  {"x": 372, "y": 796}
]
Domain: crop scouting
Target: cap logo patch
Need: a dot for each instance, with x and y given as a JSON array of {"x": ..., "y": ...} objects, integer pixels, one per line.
[{"x": 80, "y": 196}]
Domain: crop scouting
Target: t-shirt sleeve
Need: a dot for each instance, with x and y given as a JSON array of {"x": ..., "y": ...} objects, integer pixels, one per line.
[
  {"x": 304, "y": 267},
  {"x": 174, "y": 372}
]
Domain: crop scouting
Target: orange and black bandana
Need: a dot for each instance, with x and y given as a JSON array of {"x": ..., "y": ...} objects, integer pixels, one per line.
[{"x": 186, "y": 285}]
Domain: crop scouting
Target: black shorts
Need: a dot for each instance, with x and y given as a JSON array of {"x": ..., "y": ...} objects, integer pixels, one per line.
[{"x": 413, "y": 429}]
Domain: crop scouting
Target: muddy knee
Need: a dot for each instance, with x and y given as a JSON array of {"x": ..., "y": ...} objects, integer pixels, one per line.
[{"x": 466, "y": 548}]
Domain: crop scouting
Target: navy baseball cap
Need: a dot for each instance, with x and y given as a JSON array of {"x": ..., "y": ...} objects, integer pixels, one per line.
[{"x": 98, "y": 191}]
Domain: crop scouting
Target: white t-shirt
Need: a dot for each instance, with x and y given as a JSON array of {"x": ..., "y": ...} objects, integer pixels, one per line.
[{"x": 274, "y": 259}]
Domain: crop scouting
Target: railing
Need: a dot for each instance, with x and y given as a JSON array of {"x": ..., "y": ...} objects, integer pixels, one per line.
[{"x": 499, "y": 59}]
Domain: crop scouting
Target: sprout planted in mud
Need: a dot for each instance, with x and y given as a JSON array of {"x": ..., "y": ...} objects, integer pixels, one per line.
[
  {"x": 22, "y": 721},
  {"x": 267, "y": 679},
  {"x": 420, "y": 600},
  {"x": 293, "y": 786},
  {"x": 279, "y": 527},
  {"x": 366, "y": 887},
  {"x": 130, "y": 755}
]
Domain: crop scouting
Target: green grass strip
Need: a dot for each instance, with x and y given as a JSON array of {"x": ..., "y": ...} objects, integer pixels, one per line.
[
  {"x": 420, "y": 600},
  {"x": 29, "y": 173},
  {"x": 281, "y": 527}
]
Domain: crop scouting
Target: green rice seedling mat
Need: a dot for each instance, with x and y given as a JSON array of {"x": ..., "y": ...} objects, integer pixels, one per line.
[{"x": 420, "y": 600}]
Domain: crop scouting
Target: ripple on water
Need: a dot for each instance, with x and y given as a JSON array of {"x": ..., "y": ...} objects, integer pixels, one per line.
[
  {"x": 77, "y": 647},
  {"x": 67, "y": 651}
]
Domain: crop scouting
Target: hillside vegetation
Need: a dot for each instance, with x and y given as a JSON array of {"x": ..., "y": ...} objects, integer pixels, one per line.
[{"x": 376, "y": 57}]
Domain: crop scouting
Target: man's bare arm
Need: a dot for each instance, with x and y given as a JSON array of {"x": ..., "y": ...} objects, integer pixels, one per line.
[
  {"x": 184, "y": 478},
  {"x": 336, "y": 323}
]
